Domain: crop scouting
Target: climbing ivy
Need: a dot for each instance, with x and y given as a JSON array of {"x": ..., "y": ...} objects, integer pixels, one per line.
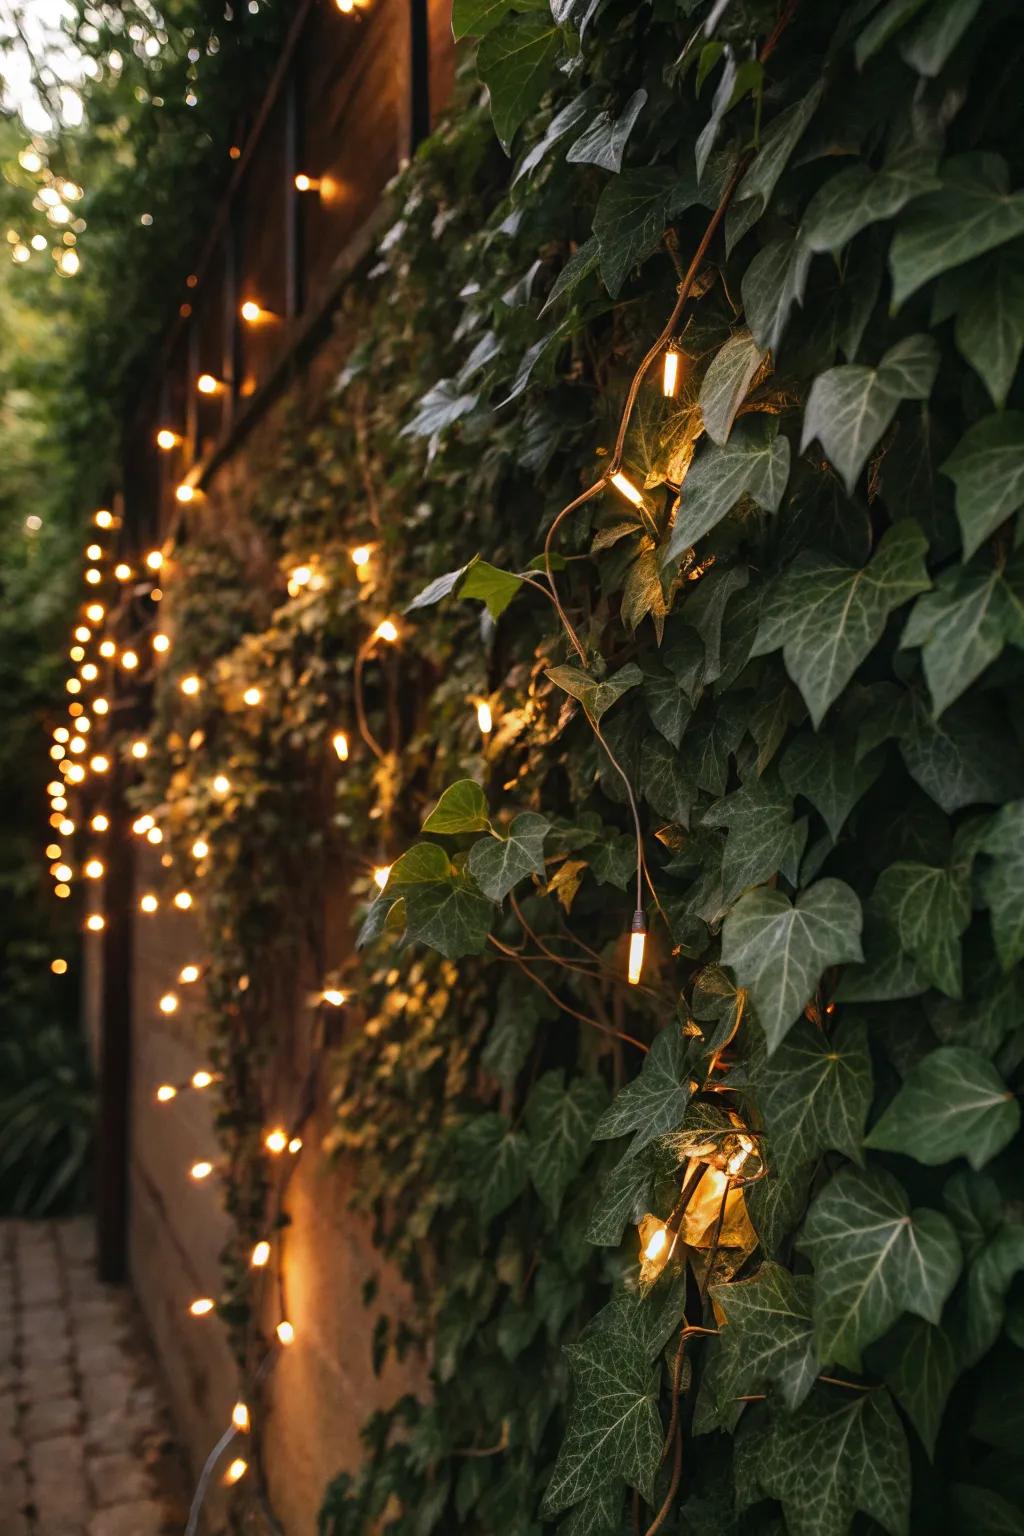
[{"x": 739, "y": 1243}]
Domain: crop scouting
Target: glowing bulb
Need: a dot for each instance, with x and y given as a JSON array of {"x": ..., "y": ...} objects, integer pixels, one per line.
[
  {"x": 161, "y": 642},
  {"x": 53, "y": 850},
  {"x": 59, "y": 803},
  {"x": 104, "y": 519},
  {"x": 93, "y": 576},
  {"x": 76, "y": 744},
  {"x": 90, "y": 672},
  {"x": 63, "y": 872},
  {"x": 200, "y": 849},
  {"x": 154, "y": 560},
  {"x": 107, "y": 648},
  {"x": 61, "y": 733},
  {"x": 188, "y": 974},
  {"x": 221, "y": 784},
  {"x": 656, "y": 1245},
  {"x": 166, "y": 439},
  {"x": 637, "y": 939},
  {"x": 94, "y": 869},
  {"x": 30, "y": 161},
  {"x": 386, "y": 630},
  {"x": 207, "y": 384},
  {"x": 94, "y": 613},
  {"x": 670, "y": 374},
  {"x": 626, "y": 488},
  {"x": 201, "y": 1170},
  {"x": 202, "y": 1306},
  {"x": 58, "y": 967},
  {"x": 361, "y": 555},
  {"x": 99, "y": 822},
  {"x": 154, "y": 836},
  {"x": 484, "y": 718},
  {"x": 240, "y": 1418},
  {"x": 148, "y": 903},
  {"x": 169, "y": 1003},
  {"x": 76, "y": 773},
  {"x": 295, "y": 1145},
  {"x": 93, "y": 551},
  {"x": 380, "y": 875},
  {"x": 129, "y": 660},
  {"x": 275, "y": 1141},
  {"x": 190, "y": 685},
  {"x": 140, "y": 749},
  {"x": 63, "y": 891},
  {"x": 83, "y": 634},
  {"x": 300, "y": 577},
  {"x": 251, "y": 312},
  {"x": 73, "y": 685},
  {"x": 78, "y": 651},
  {"x": 65, "y": 826},
  {"x": 57, "y": 752},
  {"x": 183, "y": 900},
  {"x": 185, "y": 492},
  {"x": 95, "y": 922},
  {"x": 202, "y": 1079},
  {"x": 304, "y": 183},
  {"x": 285, "y": 1333},
  {"x": 99, "y": 763},
  {"x": 123, "y": 572},
  {"x": 165, "y": 1093},
  {"x": 142, "y": 824},
  {"x": 252, "y": 697},
  {"x": 236, "y": 1470},
  {"x": 346, "y": 7},
  {"x": 260, "y": 1255},
  {"x": 333, "y": 996},
  {"x": 339, "y": 741},
  {"x": 100, "y": 706}
]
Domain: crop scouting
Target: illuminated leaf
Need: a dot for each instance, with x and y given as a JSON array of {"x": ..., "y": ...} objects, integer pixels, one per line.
[
  {"x": 962, "y": 625},
  {"x": 754, "y": 462},
  {"x": 604, "y": 141},
  {"x": 727, "y": 383},
  {"x": 596, "y": 695},
  {"x": 462, "y": 808}
]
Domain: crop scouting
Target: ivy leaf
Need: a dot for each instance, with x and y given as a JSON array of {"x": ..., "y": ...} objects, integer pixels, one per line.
[
  {"x": 580, "y": 265},
  {"x": 600, "y": 1514},
  {"x": 849, "y": 407},
  {"x": 604, "y": 141},
  {"x": 497, "y": 864},
  {"x": 828, "y": 617},
  {"x": 1002, "y": 883},
  {"x": 987, "y": 468},
  {"x": 951, "y": 1104},
  {"x": 826, "y": 771},
  {"x": 560, "y": 1122},
  {"x": 984, "y": 1512},
  {"x": 452, "y": 918},
  {"x": 929, "y": 908},
  {"x": 627, "y": 1192},
  {"x": 961, "y": 625},
  {"x": 814, "y": 1094},
  {"x": 838, "y": 1453},
  {"x": 668, "y": 707},
  {"x": 763, "y": 837},
  {"x": 989, "y": 1278},
  {"x": 779, "y": 951},
  {"x": 596, "y": 696},
  {"x": 494, "y": 587},
  {"x": 754, "y": 462},
  {"x": 474, "y": 18},
  {"x": 664, "y": 782},
  {"x": 965, "y": 758},
  {"x": 442, "y": 405},
  {"x": 918, "y": 1364},
  {"x": 772, "y": 284},
  {"x": 776, "y": 1205},
  {"x": 422, "y": 864},
  {"x": 462, "y": 808},
  {"x": 727, "y": 382},
  {"x": 873, "y": 1260},
  {"x": 493, "y": 1160},
  {"x": 560, "y": 125},
  {"x": 614, "y": 1428},
  {"x": 972, "y": 212},
  {"x": 859, "y": 196},
  {"x": 777, "y": 145},
  {"x": 884, "y": 24},
  {"x": 990, "y": 328},
  {"x": 766, "y": 1339},
  {"x": 655, "y": 1101},
  {"x": 632, "y": 214},
  {"x": 514, "y": 61},
  {"x": 937, "y": 34}
]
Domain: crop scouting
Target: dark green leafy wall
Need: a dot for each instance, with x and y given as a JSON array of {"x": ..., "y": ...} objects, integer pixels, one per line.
[{"x": 797, "y": 649}]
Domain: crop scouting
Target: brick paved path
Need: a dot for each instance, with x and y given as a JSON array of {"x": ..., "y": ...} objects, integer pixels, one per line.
[{"x": 84, "y": 1443}]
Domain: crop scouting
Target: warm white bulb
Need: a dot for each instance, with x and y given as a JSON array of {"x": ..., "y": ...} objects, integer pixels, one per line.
[
  {"x": 656, "y": 1245},
  {"x": 333, "y": 996},
  {"x": 626, "y": 488},
  {"x": 386, "y": 630},
  {"x": 339, "y": 741},
  {"x": 260, "y": 1255},
  {"x": 169, "y": 1003},
  {"x": 201, "y": 1170},
  {"x": 165, "y": 1093},
  {"x": 221, "y": 784},
  {"x": 240, "y": 1418},
  {"x": 285, "y": 1332},
  {"x": 202, "y": 1079},
  {"x": 140, "y": 749},
  {"x": 94, "y": 869},
  {"x": 99, "y": 822},
  {"x": 188, "y": 974},
  {"x": 154, "y": 559},
  {"x": 190, "y": 685},
  {"x": 183, "y": 900},
  {"x": 380, "y": 875},
  {"x": 276, "y": 1140},
  {"x": 148, "y": 903},
  {"x": 361, "y": 555},
  {"x": 200, "y": 848},
  {"x": 202, "y": 1306},
  {"x": 637, "y": 942},
  {"x": 161, "y": 642},
  {"x": 484, "y": 718}
]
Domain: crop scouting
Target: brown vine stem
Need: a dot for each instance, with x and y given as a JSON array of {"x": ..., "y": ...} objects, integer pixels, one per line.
[
  {"x": 357, "y": 698},
  {"x": 605, "y": 1029},
  {"x": 597, "y": 972}
]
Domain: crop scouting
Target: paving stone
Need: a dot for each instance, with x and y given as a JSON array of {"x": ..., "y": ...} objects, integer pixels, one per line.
[
  {"x": 57, "y": 1474},
  {"x": 121, "y": 1478},
  {"x": 47, "y": 1420},
  {"x": 144, "y": 1517}
]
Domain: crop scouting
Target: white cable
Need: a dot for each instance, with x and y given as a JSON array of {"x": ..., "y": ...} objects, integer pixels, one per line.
[{"x": 204, "y": 1479}]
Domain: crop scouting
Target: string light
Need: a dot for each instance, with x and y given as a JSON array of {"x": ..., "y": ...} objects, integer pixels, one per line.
[
  {"x": 380, "y": 875},
  {"x": 58, "y": 967},
  {"x": 304, "y": 183},
  {"x": 295, "y": 1145},
  {"x": 129, "y": 660},
  {"x": 166, "y": 439},
  {"x": 165, "y": 1093},
  {"x": 285, "y": 1332},
  {"x": 236, "y": 1471},
  {"x": 161, "y": 642},
  {"x": 100, "y": 822},
  {"x": 201, "y": 1170},
  {"x": 107, "y": 649},
  {"x": 361, "y": 555},
  {"x": 185, "y": 492},
  {"x": 99, "y": 763},
  {"x": 183, "y": 900},
  {"x": 190, "y": 685},
  {"x": 93, "y": 576},
  {"x": 65, "y": 826},
  {"x": 656, "y": 1245},
  {"x": 484, "y": 718},
  {"x": 188, "y": 974},
  {"x": 142, "y": 824},
  {"x": 94, "y": 869},
  {"x": 148, "y": 903},
  {"x": 154, "y": 560},
  {"x": 104, "y": 519},
  {"x": 240, "y": 1418},
  {"x": 169, "y": 1003},
  {"x": 82, "y": 633},
  {"x": 202, "y": 1079},
  {"x": 95, "y": 922},
  {"x": 100, "y": 706},
  {"x": 63, "y": 872},
  {"x": 208, "y": 385},
  {"x": 252, "y": 697},
  {"x": 123, "y": 572},
  {"x": 140, "y": 749},
  {"x": 62, "y": 891},
  {"x": 339, "y": 741},
  {"x": 221, "y": 784},
  {"x": 76, "y": 773},
  {"x": 200, "y": 848},
  {"x": 626, "y": 488},
  {"x": 333, "y": 996},
  {"x": 637, "y": 942},
  {"x": 276, "y": 1140},
  {"x": 252, "y": 313},
  {"x": 73, "y": 685},
  {"x": 670, "y": 374},
  {"x": 93, "y": 551},
  {"x": 260, "y": 1255},
  {"x": 386, "y": 630},
  {"x": 94, "y": 613},
  {"x": 202, "y": 1306}
]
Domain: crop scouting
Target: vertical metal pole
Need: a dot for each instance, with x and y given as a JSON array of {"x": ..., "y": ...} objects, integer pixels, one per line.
[
  {"x": 419, "y": 72},
  {"x": 232, "y": 354},
  {"x": 293, "y": 243},
  {"x": 115, "y": 1046}
]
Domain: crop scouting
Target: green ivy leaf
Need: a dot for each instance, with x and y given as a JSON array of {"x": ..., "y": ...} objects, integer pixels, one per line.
[
  {"x": 918, "y": 1364},
  {"x": 828, "y": 617},
  {"x": 990, "y": 327},
  {"x": 579, "y": 266},
  {"x": 826, "y": 771},
  {"x": 422, "y": 864},
  {"x": 494, "y": 587},
  {"x": 754, "y": 462},
  {"x": 655, "y": 1101},
  {"x": 966, "y": 758},
  {"x": 627, "y": 1192},
  {"x": 985, "y": 1512},
  {"x": 972, "y": 212},
  {"x": 497, "y": 864},
  {"x": 937, "y": 34},
  {"x": 884, "y": 24},
  {"x": 604, "y": 141},
  {"x": 442, "y": 405},
  {"x": 987, "y": 468},
  {"x": 962, "y": 625},
  {"x": 664, "y": 782},
  {"x": 951, "y": 1104},
  {"x": 766, "y": 1340},
  {"x": 873, "y": 1260},
  {"x": 597, "y": 696},
  {"x": 614, "y": 1428},
  {"x": 474, "y": 18},
  {"x": 888, "y": 973},
  {"x": 668, "y": 707},
  {"x": 462, "y": 808},
  {"x": 849, "y": 407},
  {"x": 763, "y": 837},
  {"x": 493, "y": 1160},
  {"x": 776, "y": 1205},
  {"x": 452, "y": 918},
  {"x": 631, "y": 217},
  {"x": 727, "y": 383},
  {"x": 838, "y": 1453},
  {"x": 1002, "y": 882},
  {"x": 514, "y": 61},
  {"x": 560, "y": 1122},
  {"x": 600, "y": 1513},
  {"x": 814, "y": 1094},
  {"x": 990, "y": 1276},
  {"x": 777, "y": 145},
  {"x": 858, "y": 197},
  {"x": 779, "y": 951},
  {"x": 929, "y": 908},
  {"x": 772, "y": 284}
]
